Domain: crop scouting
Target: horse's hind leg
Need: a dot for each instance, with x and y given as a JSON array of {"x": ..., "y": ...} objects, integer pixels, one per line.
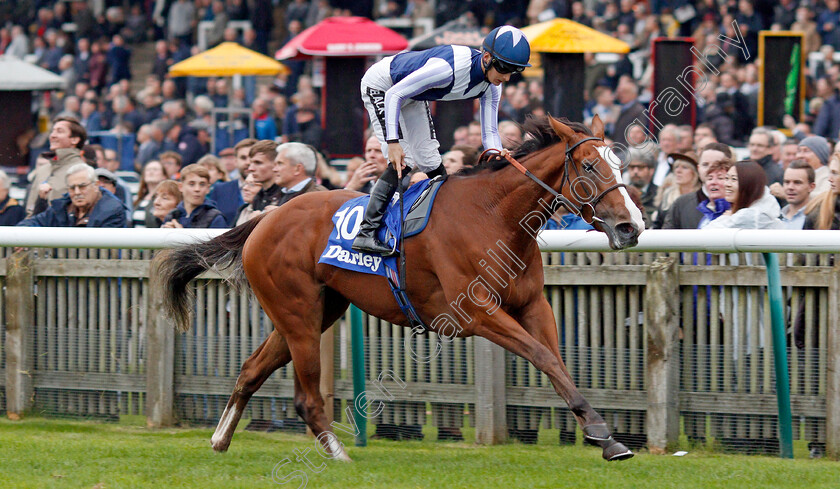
[
  {"x": 272, "y": 354},
  {"x": 307, "y": 308},
  {"x": 308, "y": 401},
  {"x": 306, "y": 356}
]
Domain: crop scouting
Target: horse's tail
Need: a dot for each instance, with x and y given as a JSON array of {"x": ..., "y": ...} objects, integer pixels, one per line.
[{"x": 177, "y": 267}]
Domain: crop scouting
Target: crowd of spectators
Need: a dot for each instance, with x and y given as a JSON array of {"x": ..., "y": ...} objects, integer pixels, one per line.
[{"x": 169, "y": 120}]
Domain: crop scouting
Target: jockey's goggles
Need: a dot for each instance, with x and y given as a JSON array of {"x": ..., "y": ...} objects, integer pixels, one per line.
[{"x": 505, "y": 68}]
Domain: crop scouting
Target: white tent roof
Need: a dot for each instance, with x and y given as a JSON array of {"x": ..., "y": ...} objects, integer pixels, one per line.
[{"x": 19, "y": 75}]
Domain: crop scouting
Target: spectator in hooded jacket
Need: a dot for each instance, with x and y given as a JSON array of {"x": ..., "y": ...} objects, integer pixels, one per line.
[{"x": 194, "y": 211}]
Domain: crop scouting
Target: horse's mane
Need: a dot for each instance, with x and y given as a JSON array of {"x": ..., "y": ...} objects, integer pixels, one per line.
[{"x": 542, "y": 135}]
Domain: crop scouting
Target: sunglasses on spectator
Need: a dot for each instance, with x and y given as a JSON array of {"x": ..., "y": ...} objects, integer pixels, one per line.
[{"x": 506, "y": 68}]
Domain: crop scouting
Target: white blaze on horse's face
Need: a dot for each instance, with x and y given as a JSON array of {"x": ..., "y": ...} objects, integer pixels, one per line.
[{"x": 615, "y": 164}]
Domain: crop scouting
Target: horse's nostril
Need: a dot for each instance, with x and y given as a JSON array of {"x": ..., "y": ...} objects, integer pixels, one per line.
[{"x": 626, "y": 230}]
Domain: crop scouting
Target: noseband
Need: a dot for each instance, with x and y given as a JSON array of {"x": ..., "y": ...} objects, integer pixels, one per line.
[{"x": 585, "y": 211}]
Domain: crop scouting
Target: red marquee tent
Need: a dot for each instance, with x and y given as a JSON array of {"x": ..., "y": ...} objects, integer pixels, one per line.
[{"x": 343, "y": 36}]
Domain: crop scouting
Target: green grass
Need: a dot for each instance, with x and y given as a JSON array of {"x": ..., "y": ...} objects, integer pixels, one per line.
[{"x": 38, "y": 452}]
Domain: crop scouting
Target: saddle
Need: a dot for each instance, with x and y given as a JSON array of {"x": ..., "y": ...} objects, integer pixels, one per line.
[{"x": 419, "y": 199}]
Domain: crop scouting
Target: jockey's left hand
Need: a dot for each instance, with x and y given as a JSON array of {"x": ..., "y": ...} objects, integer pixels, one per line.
[{"x": 504, "y": 152}]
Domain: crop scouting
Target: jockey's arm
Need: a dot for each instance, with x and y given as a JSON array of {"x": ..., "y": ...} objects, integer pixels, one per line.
[
  {"x": 489, "y": 113},
  {"x": 435, "y": 73}
]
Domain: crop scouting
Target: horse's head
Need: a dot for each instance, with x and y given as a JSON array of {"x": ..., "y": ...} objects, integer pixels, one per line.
[{"x": 592, "y": 181}]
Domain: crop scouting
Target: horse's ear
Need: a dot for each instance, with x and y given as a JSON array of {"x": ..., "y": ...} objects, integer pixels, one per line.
[
  {"x": 598, "y": 127},
  {"x": 565, "y": 132}
]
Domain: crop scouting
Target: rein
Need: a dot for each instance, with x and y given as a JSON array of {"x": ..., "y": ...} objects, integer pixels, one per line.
[{"x": 585, "y": 211}]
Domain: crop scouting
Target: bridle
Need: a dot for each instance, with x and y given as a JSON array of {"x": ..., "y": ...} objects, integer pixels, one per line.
[{"x": 587, "y": 210}]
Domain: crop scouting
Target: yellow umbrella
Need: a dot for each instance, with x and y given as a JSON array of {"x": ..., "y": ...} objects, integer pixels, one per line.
[
  {"x": 228, "y": 59},
  {"x": 563, "y": 43},
  {"x": 567, "y": 36}
]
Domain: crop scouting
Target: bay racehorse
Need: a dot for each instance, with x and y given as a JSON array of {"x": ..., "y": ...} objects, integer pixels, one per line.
[{"x": 277, "y": 254}]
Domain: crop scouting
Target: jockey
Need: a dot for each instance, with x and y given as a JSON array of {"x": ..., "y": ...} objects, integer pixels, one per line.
[{"x": 397, "y": 90}]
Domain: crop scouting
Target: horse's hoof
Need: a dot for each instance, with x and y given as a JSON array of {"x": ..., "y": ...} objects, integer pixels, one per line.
[
  {"x": 343, "y": 457},
  {"x": 219, "y": 446},
  {"x": 597, "y": 433},
  {"x": 616, "y": 451}
]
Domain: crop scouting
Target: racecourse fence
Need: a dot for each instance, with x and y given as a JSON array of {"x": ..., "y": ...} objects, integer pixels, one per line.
[{"x": 84, "y": 331}]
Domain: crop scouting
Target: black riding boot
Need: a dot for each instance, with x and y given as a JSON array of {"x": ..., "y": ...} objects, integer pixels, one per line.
[{"x": 380, "y": 196}]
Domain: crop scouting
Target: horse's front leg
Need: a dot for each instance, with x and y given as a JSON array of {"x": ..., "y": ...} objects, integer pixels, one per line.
[{"x": 534, "y": 337}]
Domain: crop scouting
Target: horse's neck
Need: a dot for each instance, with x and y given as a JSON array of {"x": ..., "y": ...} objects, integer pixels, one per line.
[{"x": 513, "y": 197}]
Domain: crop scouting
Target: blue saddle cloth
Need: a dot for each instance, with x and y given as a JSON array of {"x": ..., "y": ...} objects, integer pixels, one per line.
[{"x": 348, "y": 218}]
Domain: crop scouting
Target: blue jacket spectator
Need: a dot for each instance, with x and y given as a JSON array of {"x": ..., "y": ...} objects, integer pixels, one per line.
[
  {"x": 11, "y": 212},
  {"x": 709, "y": 215},
  {"x": 85, "y": 204},
  {"x": 93, "y": 122},
  {"x": 831, "y": 19},
  {"x": 190, "y": 144},
  {"x": 205, "y": 215},
  {"x": 228, "y": 199},
  {"x": 118, "y": 60},
  {"x": 265, "y": 128}
]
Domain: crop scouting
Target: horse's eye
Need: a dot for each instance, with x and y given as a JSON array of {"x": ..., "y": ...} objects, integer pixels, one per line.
[{"x": 587, "y": 166}]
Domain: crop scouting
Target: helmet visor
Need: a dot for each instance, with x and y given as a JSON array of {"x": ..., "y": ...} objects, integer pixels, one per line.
[{"x": 506, "y": 68}]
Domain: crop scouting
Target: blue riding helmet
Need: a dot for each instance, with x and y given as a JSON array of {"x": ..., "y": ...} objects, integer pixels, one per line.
[{"x": 509, "y": 49}]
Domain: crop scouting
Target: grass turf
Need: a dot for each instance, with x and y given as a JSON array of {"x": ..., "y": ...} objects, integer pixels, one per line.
[{"x": 38, "y": 452}]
